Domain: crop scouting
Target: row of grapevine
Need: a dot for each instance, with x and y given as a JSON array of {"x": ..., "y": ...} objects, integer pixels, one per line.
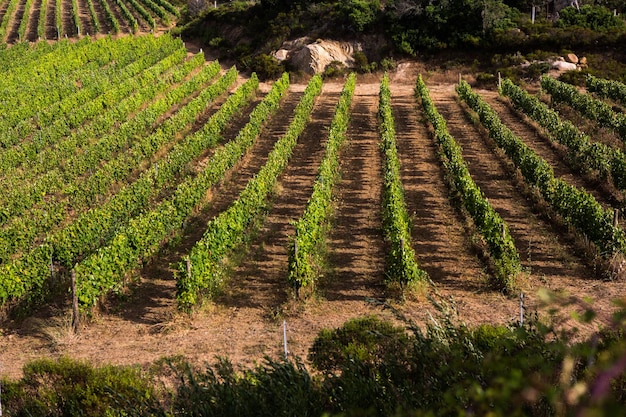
[
  {"x": 94, "y": 16},
  {"x": 94, "y": 101},
  {"x": 610, "y": 89},
  {"x": 202, "y": 271},
  {"x": 577, "y": 207},
  {"x": 134, "y": 25},
  {"x": 143, "y": 13},
  {"x": 311, "y": 227},
  {"x": 490, "y": 225},
  {"x": 27, "y": 274},
  {"x": 76, "y": 17},
  {"x": 402, "y": 267},
  {"x": 49, "y": 85},
  {"x": 595, "y": 110},
  {"x": 608, "y": 162},
  {"x": 80, "y": 191},
  {"x": 115, "y": 24},
  {"x": 60, "y": 155},
  {"x": 21, "y": 31},
  {"x": 90, "y": 229},
  {"x": 59, "y": 18},
  {"x": 6, "y": 19},
  {"x": 158, "y": 10},
  {"x": 41, "y": 23},
  {"x": 144, "y": 235}
]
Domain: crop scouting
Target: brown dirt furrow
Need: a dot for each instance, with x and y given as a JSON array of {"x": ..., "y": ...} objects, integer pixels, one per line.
[
  {"x": 3, "y": 8},
  {"x": 596, "y": 132},
  {"x": 547, "y": 256},
  {"x": 356, "y": 246},
  {"x": 440, "y": 239},
  {"x": 51, "y": 29},
  {"x": 86, "y": 22},
  {"x": 33, "y": 21},
  {"x": 123, "y": 23},
  {"x": 260, "y": 281},
  {"x": 12, "y": 34},
  {"x": 105, "y": 25},
  {"x": 69, "y": 28},
  {"x": 544, "y": 148}
]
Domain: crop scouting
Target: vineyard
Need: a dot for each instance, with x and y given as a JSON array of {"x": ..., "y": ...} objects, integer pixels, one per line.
[
  {"x": 190, "y": 210},
  {"x": 32, "y": 20}
]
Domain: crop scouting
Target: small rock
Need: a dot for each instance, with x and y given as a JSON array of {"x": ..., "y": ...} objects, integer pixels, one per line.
[{"x": 583, "y": 61}]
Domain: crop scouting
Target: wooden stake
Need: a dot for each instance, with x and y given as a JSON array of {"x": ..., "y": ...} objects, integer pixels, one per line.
[
  {"x": 188, "y": 261},
  {"x": 521, "y": 309},
  {"x": 75, "y": 317},
  {"x": 615, "y": 217},
  {"x": 285, "y": 339}
]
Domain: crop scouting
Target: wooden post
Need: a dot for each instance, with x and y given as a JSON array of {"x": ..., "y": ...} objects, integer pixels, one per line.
[
  {"x": 51, "y": 271},
  {"x": 499, "y": 80},
  {"x": 295, "y": 259},
  {"x": 75, "y": 317},
  {"x": 188, "y": 261},
  {"x": 503, "y": 231},
  {"x": 615, "y": 217},
  {"x": 532, "y": 16},
  {"x": 521, "y": 309},
  {"x": 285, "y": 339}
]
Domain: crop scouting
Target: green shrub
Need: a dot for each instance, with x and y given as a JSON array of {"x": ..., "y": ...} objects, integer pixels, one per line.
[
  {"x": 66, "y": 387},
  {"x": 596, "y": 18},
  {"x": 267, "y": 67}
]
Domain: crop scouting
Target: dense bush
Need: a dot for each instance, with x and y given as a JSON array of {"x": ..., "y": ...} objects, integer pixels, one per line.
[
  {"x": 266, "y": 67},
  {"x": 66, "y": 387},
  {"x": 589, "y": 17}
]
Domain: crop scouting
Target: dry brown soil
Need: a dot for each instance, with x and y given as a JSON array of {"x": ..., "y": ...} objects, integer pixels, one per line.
[{"x": 246, "y": 322}]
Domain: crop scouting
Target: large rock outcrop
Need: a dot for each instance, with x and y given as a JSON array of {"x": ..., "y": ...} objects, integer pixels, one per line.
[{"x": 314, "y": 57}]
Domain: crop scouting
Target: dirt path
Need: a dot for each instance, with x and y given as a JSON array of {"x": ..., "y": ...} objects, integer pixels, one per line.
[
  {"x": 12, "y": 35},
  {"x": 33, "y": 21},
  {"x": 547, "y": 255},
  {"x": 69, "y": 27},
  {"x": 105, "y": 24},
  {"x": 543, "y": 147},
  {"x": 355, "y": 244},
  {"x": 440, "y": 239},
  {"x": 87, "y": 27}
]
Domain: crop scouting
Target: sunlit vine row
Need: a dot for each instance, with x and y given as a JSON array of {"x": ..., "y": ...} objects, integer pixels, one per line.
[{"x": 202, "y": 271}]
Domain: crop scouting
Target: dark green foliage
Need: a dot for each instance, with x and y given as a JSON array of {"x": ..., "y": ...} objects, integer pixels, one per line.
[
  {"x": 360, "y": 13},
  {"x": 66, "y": 387},
  {"x": 276, "y": 388},
  {"x": 267, "y": 67},
  {"x": 537, "y": 69},
  {"x": 367, "y": 339},
  {"x": 589, "y": 17}
]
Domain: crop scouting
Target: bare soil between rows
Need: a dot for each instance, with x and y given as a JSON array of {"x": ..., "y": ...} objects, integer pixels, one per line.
[{"x": 247, "y": 322}]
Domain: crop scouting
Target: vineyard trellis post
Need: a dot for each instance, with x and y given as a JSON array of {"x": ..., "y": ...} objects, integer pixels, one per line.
[
  {"x": 51, "y": 270},
  {"x": 295, "y": 257},
  {"x": 615, "y": 217},
  {"x": 285, "y": 339},
  {"x": 521, "y": 309},
  {"x": 75, "y": 312}
]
